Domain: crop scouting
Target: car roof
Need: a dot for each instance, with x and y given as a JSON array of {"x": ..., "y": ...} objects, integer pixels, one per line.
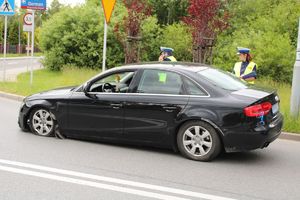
[{"x": 180, "y": 66}]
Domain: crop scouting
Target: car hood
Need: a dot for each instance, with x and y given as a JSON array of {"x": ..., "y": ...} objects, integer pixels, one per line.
[{"x": 59, "y": 92}]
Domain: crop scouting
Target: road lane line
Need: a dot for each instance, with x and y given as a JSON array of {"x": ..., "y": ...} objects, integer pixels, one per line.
[
  {"x": 90, "y": 183},
  {"x": 115, "y": 180}
]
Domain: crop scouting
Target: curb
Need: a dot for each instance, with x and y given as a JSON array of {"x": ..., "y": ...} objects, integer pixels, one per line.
[
  {"x": 283, "y": 135},
  {"x": 11, "y": 96},
  {"x": 290, "y": 136}
]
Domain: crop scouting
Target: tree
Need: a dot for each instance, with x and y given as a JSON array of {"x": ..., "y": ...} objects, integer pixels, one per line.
[
  {"x": 138, "y": 10},
  {"x": 269, "y": 29},
  {"x": 206, "y": 19},
  {"x": 169, "y": 11},
  {"x": 55, "y": 7},
  {"x": 74, "y": 36}
]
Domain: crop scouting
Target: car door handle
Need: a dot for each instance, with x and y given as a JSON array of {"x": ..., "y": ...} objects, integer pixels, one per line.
[
  {"x": 169, "y": 108},
  {"x": 116, "y": 105}
]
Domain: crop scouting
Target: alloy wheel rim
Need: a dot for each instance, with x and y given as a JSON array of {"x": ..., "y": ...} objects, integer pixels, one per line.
[
  {"x": 197, "y": 141},
  {"x": 42, "y": 122}
]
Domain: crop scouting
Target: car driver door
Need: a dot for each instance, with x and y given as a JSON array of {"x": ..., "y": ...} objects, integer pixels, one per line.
[{"x": 98, "y": 112}]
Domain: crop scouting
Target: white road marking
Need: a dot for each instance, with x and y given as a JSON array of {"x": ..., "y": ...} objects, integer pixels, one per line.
[
  {"x": 114, "y": 180},
  {"x": 90, "y": 183},
  {"x": 12, "y": 63}
]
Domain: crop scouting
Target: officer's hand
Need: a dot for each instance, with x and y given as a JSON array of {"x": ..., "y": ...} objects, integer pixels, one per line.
[{"x": 161, "y": 58}]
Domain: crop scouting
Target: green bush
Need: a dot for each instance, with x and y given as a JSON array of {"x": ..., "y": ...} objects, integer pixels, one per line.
[
  {"x": 74, "y": 36},
  {"x": 268, "y": 28}
]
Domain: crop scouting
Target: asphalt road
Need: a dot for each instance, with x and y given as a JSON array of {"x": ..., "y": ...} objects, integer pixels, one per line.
[
  {"x": 11, "y": 67},
  {"x": 33, "y": 167}
]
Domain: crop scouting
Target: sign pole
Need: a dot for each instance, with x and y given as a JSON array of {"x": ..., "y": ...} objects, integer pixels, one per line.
[
  {"x": 32, "y": 48},
  {"x": 295, "y": 98},
  {"x": 4, "y": 49},
  {"x": 108, "y": 6},
  {"x": 104, "y": 46}
]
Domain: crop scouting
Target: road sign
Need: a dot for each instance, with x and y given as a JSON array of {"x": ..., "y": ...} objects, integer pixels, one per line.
[
  {"x": 34, "y": 4},
  {"x": 27, "y": 19},
  {"x": 7, "y": 7},
  {"x": 108, "y": 7}
]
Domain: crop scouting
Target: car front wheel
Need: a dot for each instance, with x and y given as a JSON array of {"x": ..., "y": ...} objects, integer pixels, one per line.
[
  {"x": 41, "y": 122},
  {"x": 197, "y": 140}
]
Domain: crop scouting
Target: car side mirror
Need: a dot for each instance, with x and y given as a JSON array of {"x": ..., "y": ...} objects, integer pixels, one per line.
[{"x": 85, "y": 88}]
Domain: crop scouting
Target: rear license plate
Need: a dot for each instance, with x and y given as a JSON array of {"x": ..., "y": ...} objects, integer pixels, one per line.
[{"x": 275, "y": 108}]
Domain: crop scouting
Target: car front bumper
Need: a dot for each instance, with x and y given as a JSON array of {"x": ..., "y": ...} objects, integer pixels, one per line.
[
  {"x": 258, "y": 138},
  {"x": 22, "y": 119}
]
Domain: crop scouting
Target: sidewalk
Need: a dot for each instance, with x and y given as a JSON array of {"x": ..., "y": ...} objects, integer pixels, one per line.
[{"x": 284, "y": 135}]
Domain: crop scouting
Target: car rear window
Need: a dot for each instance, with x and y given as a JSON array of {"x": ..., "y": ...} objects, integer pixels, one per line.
[{"x": 223, "y": 79}]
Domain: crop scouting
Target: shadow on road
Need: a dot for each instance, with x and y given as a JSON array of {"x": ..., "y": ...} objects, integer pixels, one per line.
[{"x": 243, "y": 157}]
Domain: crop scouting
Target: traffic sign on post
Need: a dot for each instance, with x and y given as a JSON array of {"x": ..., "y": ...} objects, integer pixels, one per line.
[
  {"x": 27, "y": 19},
  {"x": 34, "y": 4},
  {"x": 7, "y": 7},
  {"x": 108, "y": 7}
]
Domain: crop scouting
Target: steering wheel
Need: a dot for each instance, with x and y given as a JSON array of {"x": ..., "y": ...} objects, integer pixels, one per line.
[{"x": 107, "y": 87}]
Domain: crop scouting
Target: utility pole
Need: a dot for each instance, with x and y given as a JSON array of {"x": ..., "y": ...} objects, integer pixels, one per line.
[{"x": 295, "y": 98}]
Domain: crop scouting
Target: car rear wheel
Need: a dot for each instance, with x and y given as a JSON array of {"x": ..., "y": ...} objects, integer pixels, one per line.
[
  {"x": 197, "y": 140},
  {"x": 41, "y": 122}
]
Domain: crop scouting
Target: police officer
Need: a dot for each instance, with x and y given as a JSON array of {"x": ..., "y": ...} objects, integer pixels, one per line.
[
  {"x": 246, "y": 69},
  {"x": 166, "y": 54}
]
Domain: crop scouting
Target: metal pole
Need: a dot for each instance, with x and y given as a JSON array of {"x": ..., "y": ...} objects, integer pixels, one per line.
[
  {"x": 295, "y": 98},
  {"x": 19, "y": 35},
  {"x": 28, "y": 43},
  {"x": 27, "y": 49},
  {"x": 32, "y": 49},
  {"x": 4, "y": 49},
  {"x": 104, "y": 46}
]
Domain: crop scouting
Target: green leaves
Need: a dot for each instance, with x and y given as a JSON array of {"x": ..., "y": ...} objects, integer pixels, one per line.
[
  {"x": 74, "y": 36},
  {"x": 269, "y": 29}
]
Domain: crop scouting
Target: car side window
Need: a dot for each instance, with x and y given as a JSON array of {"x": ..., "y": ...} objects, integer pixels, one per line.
[
  {"x": 113, "y": 83},
  {"x": 193, "y": 89},
  {"x": 160, "y": 82}
]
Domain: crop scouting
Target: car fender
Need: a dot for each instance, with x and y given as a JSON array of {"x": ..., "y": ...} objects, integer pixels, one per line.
[{"x": 40, "y": 104}]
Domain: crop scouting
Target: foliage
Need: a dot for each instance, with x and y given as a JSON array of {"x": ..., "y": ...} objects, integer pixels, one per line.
[
  {"x": 75, "y": 36},
  {"x": 205, "y": 20},
  {"x": 131, "y": 25},
  {"x": 269, "y": 29},
  {"x": 169, "y": 11},
  {"x": 177, "y": 36}
]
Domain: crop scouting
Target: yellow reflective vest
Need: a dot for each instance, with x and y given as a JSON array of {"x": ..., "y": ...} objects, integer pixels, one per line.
[
  {"x": 171, "y": 58},
  {"x": 248, "y": 70}
]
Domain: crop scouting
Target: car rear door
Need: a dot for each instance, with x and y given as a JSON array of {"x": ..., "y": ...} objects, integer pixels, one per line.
[{"x": 152, "y": 111}]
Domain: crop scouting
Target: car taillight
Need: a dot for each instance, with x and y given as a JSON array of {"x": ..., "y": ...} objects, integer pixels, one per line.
[{"x": 258, "y": 110}]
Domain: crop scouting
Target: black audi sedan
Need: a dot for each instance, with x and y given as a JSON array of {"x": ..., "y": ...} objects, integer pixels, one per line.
[{"x": 196, "y": 109}]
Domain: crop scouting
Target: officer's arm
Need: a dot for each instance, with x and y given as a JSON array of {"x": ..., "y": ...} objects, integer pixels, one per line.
[{"x": 252, "y": 76}]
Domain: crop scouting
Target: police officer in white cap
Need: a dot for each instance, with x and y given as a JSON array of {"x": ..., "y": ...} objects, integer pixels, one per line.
[
  {"x": 246, "y": 69},
  {"x": 166, "y": 54}
]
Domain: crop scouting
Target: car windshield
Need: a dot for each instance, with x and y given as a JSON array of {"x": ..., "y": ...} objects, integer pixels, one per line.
[{"x": 223, "y": 80}]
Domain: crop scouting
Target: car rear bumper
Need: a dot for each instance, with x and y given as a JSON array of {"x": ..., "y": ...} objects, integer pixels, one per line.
[{"x": 260, "y": 137}]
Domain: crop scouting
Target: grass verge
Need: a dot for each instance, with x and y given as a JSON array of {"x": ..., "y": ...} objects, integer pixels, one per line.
[
  {"x": 284, "y": 91},
  {"x": 45, "y": 79},
  {"x": 14, "y": 55}
]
